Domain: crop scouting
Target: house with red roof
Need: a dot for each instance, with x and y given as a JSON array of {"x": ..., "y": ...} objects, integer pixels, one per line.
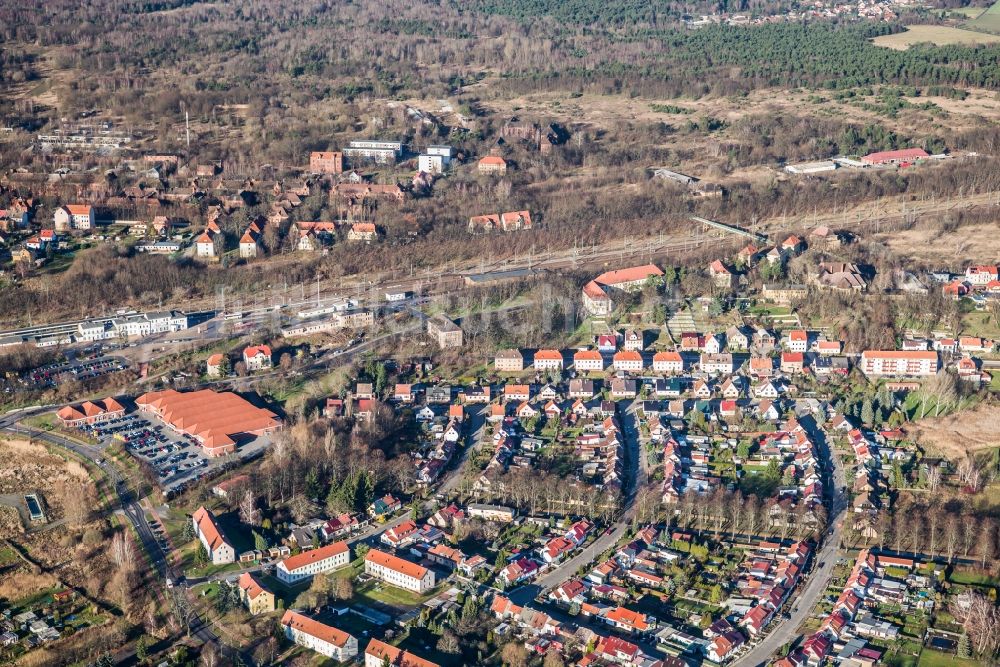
[
  {"x": 492, "y": 164},
  {"x": 902, "y": 157},
  {"x": 598, "y": 292},
  {"x": 724, "y": 645},
  {"x": 315, "y": 561},
  {"x": 220, "y": 550},
  {"x": 324, "y": 639},
  {"x": 90, "y": 412},
  {"x": 257, "y": 357},
  {"x": 74, "y": 216},
  {"x": 721, "y": 276}
]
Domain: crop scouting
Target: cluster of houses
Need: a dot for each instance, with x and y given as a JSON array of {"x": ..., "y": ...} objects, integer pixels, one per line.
[
  {"x": 768, "y": 576},
  {"x": 524, "y": 566},
  {"x": 979, "y": 280},
  {"x": 592, "y": 597},
  {"x": 845, "y": 632}
]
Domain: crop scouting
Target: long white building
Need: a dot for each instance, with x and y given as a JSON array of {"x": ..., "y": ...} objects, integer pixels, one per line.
[
  {"x": 398, "y": 572},
  {"x": 315, "y": 561},
  {"x": 916, "y": 363},
  {"x": 324, "y": 639}
]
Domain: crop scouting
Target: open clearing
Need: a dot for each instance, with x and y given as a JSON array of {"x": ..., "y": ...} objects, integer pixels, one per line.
[
  {"x": 936, "y": 34},
  {"x": 976, "y": 243},
  {"x": 988, "y": 20},
  {"x": 966, "y": 431}
]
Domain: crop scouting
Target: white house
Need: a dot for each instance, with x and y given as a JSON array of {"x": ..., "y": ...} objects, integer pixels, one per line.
[
  {"x": 308, "y": 563},
  {"x": 220, "y": 551},
  {"x": 398, "y": 572},
  {"x": 74, "y": 216},
  {"x": 257, "y": 357},
  {"x": 668, "y": 362},
  {"x": 204, "y": 245},
  {"x": 324, "y": 639}
]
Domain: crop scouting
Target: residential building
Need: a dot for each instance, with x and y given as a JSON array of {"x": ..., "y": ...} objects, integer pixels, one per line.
[
  {"x": 363, "y": 231},
  {"x": 324, "y": 639},
  {"x": 721, "y": 276},
  {"x": 257, "y": 357},
  {"x": 797, "y": 341},
  {"x": 899, "y": 363},
  {"x": 588, "y": 360},
  {"x": 597, "y": 293},
  {"x": 628, "y": 360},
  {"x": 220, "y": 550},
  {"x": 254, "y": 596},
  {"x": 445, "y": 332},
  {"x": 900, "y": 157},
  {"x": 214, "y": 419},
  {"x": 792, "y": 362},
  {"x": 90, "y": 412},
  {"x": 398, "y": 572},
  {"x": 435, "y": 160},
  {"x": 74, "y": 216},
  {"x": 205, "y": 245},
  {"x": 380, "y": 654},
  {"x": 717, "y": 363},
  {"x": 315, "y": 561},
  {"x": 326, "y": 162},
  {"x": 250, "y": 244},
  {"x": 668, "y": 362},
  {"x": 492, "y": 164},
  {"x": 509, "y": 361},
  {"x": 373, "y": 150}
]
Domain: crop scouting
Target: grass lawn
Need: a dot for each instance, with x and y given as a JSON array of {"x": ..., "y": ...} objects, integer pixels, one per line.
[
  {"x": 376, "y": 593},
  {"x": 995, "y": 381},
  {"x": 932, "y": 658},
  {"x": 972, "y": 578}
]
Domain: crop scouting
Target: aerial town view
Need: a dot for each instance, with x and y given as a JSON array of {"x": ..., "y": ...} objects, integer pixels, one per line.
[{"x": 504, "y": 333}]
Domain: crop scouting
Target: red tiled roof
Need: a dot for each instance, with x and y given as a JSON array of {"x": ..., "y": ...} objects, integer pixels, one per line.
[
  {"x": 314, "y": 555},
  {"x": 628, "y": 275},
  {"x": 404, "y": 567},
  {"x": 314, "y": 628}
]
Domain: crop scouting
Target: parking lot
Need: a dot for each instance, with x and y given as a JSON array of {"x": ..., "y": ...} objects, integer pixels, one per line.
[
  {"x": 176, "y": 458},
  {"x": 55, "y": 374}
]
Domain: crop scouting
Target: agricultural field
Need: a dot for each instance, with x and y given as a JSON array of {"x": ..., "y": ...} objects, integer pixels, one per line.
[
  {"x": 937, "y": 35},
  {"x": 988, "y": 21}
]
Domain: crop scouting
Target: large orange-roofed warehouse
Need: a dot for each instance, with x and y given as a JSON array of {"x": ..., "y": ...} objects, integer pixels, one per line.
[{"x": 214, "y": 419}]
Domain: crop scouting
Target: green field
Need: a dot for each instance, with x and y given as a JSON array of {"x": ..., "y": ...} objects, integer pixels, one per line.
[
  {"x": 932, "y": 658},
  {"x": 988, "y": 21}
]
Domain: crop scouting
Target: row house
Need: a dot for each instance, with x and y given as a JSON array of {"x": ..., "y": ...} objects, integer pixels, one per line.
[{"x": 668, "y": 362}]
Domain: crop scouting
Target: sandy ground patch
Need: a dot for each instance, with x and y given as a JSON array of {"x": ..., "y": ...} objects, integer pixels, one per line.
[{"x": 963, "y": 432}]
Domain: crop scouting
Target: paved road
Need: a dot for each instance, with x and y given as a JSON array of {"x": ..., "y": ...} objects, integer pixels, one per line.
[
  {"x": 475, "y": 418},
  {"x": 635, "y": 476},
  {"x": 127, "y": 500},
  {"x": 787, "y": 630}
]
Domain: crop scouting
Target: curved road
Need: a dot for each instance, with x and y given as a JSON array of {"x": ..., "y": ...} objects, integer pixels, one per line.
[
  {"x": 802, "y": 605},
  {"x": 127, "y": 500}
]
